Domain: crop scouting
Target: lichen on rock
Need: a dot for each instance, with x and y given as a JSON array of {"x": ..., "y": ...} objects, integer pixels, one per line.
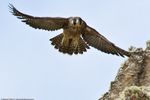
[{"x": 135, "y": 93}]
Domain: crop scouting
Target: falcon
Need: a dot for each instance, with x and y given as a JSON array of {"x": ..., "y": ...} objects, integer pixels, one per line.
[{"x": 76, "y": 37}]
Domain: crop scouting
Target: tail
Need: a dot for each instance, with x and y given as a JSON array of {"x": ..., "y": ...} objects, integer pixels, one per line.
[{"x": 69, "y": 46}]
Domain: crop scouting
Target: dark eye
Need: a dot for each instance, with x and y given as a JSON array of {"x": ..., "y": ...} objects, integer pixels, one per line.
[
  {"x": 80, "y": 20},
  {"x": 74, "y": 21}
]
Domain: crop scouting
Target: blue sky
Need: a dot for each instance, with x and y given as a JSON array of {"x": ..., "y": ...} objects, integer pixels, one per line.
[{"x": 30, "y": 67}]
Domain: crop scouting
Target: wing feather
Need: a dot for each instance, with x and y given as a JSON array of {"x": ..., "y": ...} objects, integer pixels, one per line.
[
  {"x": 46, "y": 23},
  {"x": 96, "y": 40}
]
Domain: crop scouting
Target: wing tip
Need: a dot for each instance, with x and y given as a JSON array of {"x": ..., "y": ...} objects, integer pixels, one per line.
[{"x": 12, "y": 9}]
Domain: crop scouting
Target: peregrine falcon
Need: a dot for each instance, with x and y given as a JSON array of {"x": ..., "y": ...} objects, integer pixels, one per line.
[{"x": 76, "y": 37}]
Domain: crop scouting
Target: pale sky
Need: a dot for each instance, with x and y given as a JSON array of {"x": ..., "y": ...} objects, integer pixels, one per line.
[{"x": 30, "y": 67}]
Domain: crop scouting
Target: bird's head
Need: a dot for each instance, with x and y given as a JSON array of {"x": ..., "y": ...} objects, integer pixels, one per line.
[{"x": 76, "y": 22}]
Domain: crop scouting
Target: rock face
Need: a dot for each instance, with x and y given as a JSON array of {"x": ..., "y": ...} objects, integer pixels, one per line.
[{"x": 133, "y": 79}]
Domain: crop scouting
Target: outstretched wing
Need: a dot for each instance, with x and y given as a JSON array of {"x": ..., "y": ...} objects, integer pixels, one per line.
[
  {"x": 94, "y": 39},
  {"x": 46, "y": 23}
]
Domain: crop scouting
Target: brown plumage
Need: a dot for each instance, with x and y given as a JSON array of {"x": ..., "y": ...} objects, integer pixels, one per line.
[{"x": 77, "y": 36}]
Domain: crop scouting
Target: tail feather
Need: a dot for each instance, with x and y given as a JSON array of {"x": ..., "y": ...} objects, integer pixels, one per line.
[
  {"x": 71, "y": 47},
  {"x": 82, "y": 46},
  {"x": 56, "y": 41}
]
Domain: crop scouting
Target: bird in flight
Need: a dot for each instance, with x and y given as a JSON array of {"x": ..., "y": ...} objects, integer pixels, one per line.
[{"x": 76, "y": 37}]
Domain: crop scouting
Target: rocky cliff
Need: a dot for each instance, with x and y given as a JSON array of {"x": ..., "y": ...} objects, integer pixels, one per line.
[{"x": 133, "y": 79}]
